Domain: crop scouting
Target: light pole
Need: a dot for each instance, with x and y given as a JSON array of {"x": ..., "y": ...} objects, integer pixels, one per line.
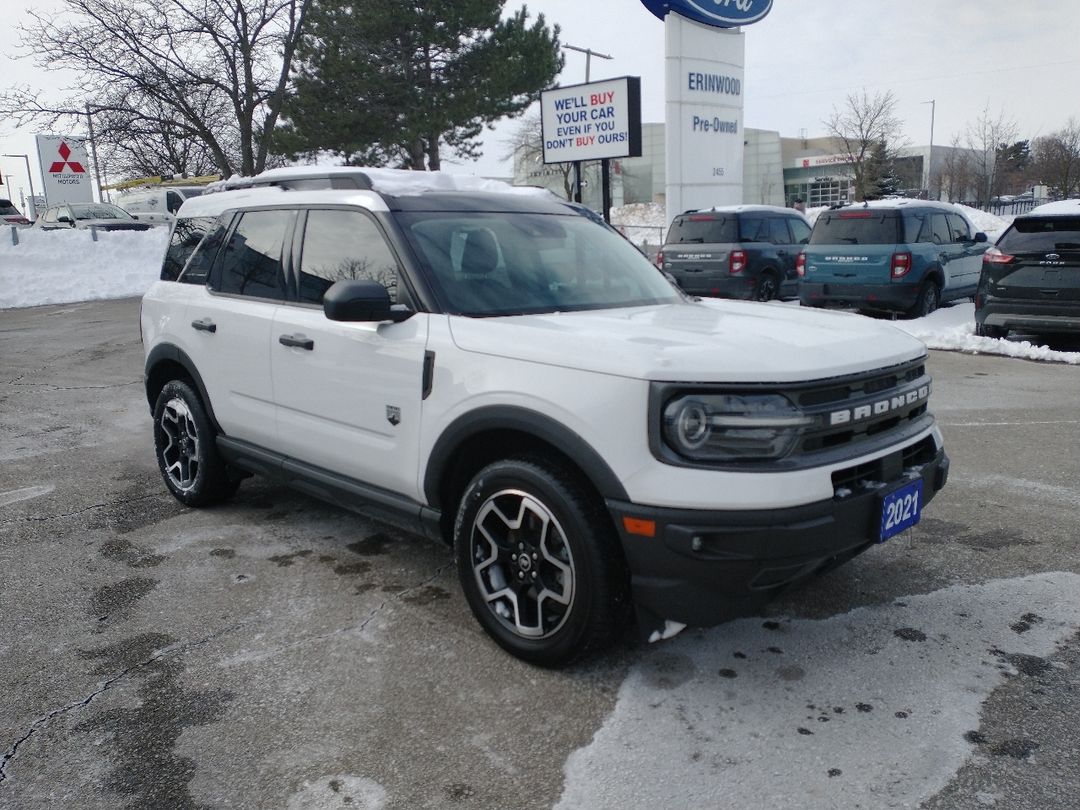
[
  {"x": 30, "y": 177},
  {"x": 930, "y": 158}
]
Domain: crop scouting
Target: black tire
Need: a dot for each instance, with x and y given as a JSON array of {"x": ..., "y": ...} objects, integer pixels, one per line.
[
  {"x": 928, "y": 301},
  {"x": 539, "y": 562},
  {"x": 982, "y": 330},
  {"x": 187, "y": 454},
  {"x": 768, "y": 287}
]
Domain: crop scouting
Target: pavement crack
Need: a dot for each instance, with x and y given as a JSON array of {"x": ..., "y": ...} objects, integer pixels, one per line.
[
  {"x": 92, "y": 507},
  {"x": 103, "y": 686},
  {"x": 53, "y": 387}
]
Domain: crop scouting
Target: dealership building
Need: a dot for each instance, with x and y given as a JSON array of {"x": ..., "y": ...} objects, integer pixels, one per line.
[{"x": 776, "y": 171}]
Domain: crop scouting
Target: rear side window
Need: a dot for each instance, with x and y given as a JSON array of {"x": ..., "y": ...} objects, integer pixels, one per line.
[
  {"x": 697, "y": 229},
  {"x": 250, "y": 263},
  {"x": 1042, "y": 235},
  {"x": 173, "y": 201},
  {"x": 340, "y": 245},
  {"x": 800, "y": 231},
  {"x": 186, "y": 236},
  {"x": 858, "y": 227}
]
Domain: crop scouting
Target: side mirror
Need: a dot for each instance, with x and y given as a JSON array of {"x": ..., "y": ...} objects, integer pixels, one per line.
[
  {"x": 355, "y": 301},
  {"x": 981, "y": 237}
]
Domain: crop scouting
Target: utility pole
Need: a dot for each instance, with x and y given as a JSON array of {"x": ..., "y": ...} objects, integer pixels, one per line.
[
  {"x": 930, "y": 158},
  {"x": 605, "y": 165},
  {"x": 93, "y": 152}
]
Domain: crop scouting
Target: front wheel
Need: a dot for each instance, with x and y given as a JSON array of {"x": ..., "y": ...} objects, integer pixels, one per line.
[
  {"x": 928, "y": 300},
  {"x": 187, "y": 455},
  {"x": 539, "y": 562},
  {"x": 768, "y": 287}
]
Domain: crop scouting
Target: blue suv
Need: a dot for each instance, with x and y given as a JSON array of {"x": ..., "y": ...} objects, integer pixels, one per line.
[{"x": 891, "y": 255}]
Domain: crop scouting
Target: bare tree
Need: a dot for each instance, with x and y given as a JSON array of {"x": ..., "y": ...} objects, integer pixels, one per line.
[
  {"x": 870, "y": 132},
  {"x": 1057, "y": 160},
  {"x": 526, "y": 150},
  {"x": 203, "y": 77},
  {"x": 986, "y": 136}
]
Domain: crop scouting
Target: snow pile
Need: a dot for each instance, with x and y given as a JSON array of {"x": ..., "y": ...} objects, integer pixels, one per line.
[
  {"x": 58, "y": 267},
  {"x": 990, "y": 224},
  {"x": 953, "y": 329}
]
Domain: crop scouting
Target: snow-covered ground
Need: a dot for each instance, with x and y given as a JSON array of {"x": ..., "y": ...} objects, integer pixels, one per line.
[{"x": 60, "y": 267}]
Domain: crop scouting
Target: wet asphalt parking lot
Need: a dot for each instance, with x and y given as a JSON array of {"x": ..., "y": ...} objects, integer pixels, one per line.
[{"x": 279, "y": 653}]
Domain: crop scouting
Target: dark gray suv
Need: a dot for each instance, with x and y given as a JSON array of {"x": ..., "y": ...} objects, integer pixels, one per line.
[
  {"x": 1031, "y": 279},
  {"x": 744, "y": 251}
]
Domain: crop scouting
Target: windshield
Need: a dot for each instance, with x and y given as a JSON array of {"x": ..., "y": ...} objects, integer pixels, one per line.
[
  {"x": 1039, "y": 235},
  {"x": 860, "y": 227},
  {"x": 485, "y": 264},
  {"x": 99, "y": 211}
]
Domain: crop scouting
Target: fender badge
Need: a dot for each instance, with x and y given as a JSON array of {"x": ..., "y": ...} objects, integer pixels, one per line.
[{"x": 393, "y": 415}]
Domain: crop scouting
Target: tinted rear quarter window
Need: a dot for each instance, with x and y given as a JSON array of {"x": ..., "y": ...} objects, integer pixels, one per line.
[
  {"x": 186, "y": 236},
  {"x": 703, "y": 229},
  {"x": 857, "y": 228},
  {"x": 1042, "y": 234}
]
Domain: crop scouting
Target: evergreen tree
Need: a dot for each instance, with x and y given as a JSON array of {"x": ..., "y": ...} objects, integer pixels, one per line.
[{"x": 392, "y": 82}]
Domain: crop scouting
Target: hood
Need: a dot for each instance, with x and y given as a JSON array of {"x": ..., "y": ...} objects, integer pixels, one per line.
[{"x": 705, "y": 341}]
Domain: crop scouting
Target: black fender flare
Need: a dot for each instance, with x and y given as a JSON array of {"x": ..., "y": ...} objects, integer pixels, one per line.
[
  {"x": 167, "y": 352},
  {"x": 521, "y": 420}
]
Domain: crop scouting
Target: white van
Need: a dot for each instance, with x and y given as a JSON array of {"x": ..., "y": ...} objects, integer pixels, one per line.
[{"x": 157, "y": 205}]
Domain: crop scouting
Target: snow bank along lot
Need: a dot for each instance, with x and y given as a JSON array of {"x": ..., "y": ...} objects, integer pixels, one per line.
[{"x": 60, "y": 267}]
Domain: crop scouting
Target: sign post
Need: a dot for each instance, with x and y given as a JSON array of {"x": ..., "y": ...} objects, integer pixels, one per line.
[
  {"x": 595, "y": 121},
  {"x": 706, "y": 58}
]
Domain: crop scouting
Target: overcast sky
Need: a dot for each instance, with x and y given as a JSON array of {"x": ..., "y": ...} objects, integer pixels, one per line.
[{"x": 1016, "y": 56}]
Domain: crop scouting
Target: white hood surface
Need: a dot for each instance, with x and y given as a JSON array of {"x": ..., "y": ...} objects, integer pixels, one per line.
[{"x": 705, "y": 341}]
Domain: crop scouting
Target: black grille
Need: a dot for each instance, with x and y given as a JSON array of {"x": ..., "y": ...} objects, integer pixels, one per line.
[{"x": 886, "y": 468}]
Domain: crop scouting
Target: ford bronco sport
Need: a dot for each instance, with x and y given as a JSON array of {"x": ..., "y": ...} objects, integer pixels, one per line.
[{"x": 487, "y": 367}]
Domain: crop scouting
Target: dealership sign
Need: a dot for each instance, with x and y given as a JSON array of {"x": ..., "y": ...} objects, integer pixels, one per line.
[
  {"x": 593, "y": 121},
  {"x": 720, "y": 13},
  {"x": 65, "y": 169}
]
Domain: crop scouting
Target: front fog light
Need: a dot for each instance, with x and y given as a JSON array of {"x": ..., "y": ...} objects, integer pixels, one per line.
[{"x": 733, "y": 427}]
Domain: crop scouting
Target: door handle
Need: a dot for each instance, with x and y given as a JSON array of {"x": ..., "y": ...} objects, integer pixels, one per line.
[
  {"x": 204, "y": 325},
  {"x": 297, "y": 341}
]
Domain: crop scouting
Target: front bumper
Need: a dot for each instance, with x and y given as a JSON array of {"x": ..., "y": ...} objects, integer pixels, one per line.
[
  {"x": 702, "y": 568},
  {"x": 1032, "y": 316},
  {"x": 866, "y": 296}
]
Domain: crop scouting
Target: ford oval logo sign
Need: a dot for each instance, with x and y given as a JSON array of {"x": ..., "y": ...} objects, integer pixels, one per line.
[{"x": 720, "y": 13}]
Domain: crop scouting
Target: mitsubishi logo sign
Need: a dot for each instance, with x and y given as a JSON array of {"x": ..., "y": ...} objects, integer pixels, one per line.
[
  {"x": 59, "y": 165},
  {"x": 65, "y": 168},
  {"x": 719, "y": 13}
]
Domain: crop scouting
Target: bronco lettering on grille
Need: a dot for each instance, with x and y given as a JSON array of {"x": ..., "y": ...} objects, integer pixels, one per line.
[{"x": 879, "y": 408}]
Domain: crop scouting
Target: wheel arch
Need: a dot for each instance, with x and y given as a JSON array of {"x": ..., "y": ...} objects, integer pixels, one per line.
[
  {"x": 478, "y": 438},
  {"x": 168, "y": 362}
]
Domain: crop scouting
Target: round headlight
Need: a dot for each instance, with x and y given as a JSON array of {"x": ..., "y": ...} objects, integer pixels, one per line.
[{"x": 692, "y": 425}]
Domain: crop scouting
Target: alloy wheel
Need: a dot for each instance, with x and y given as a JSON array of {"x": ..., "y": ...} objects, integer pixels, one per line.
[
  {"x": 180, "y": 455},
  {"x": 522, "y": 564}
]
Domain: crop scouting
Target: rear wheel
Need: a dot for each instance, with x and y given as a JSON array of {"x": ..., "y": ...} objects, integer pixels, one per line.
[
  {"x": 982, "y": 330},
  {"x": 768, "y": 287},
  {"x": 928, "y": 300},
  {"x": 539, "y": 561},
  {"x": 186, "y": 452}
]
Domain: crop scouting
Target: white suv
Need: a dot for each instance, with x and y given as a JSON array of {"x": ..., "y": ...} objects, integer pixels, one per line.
[{"x": 487, "y": 366}]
